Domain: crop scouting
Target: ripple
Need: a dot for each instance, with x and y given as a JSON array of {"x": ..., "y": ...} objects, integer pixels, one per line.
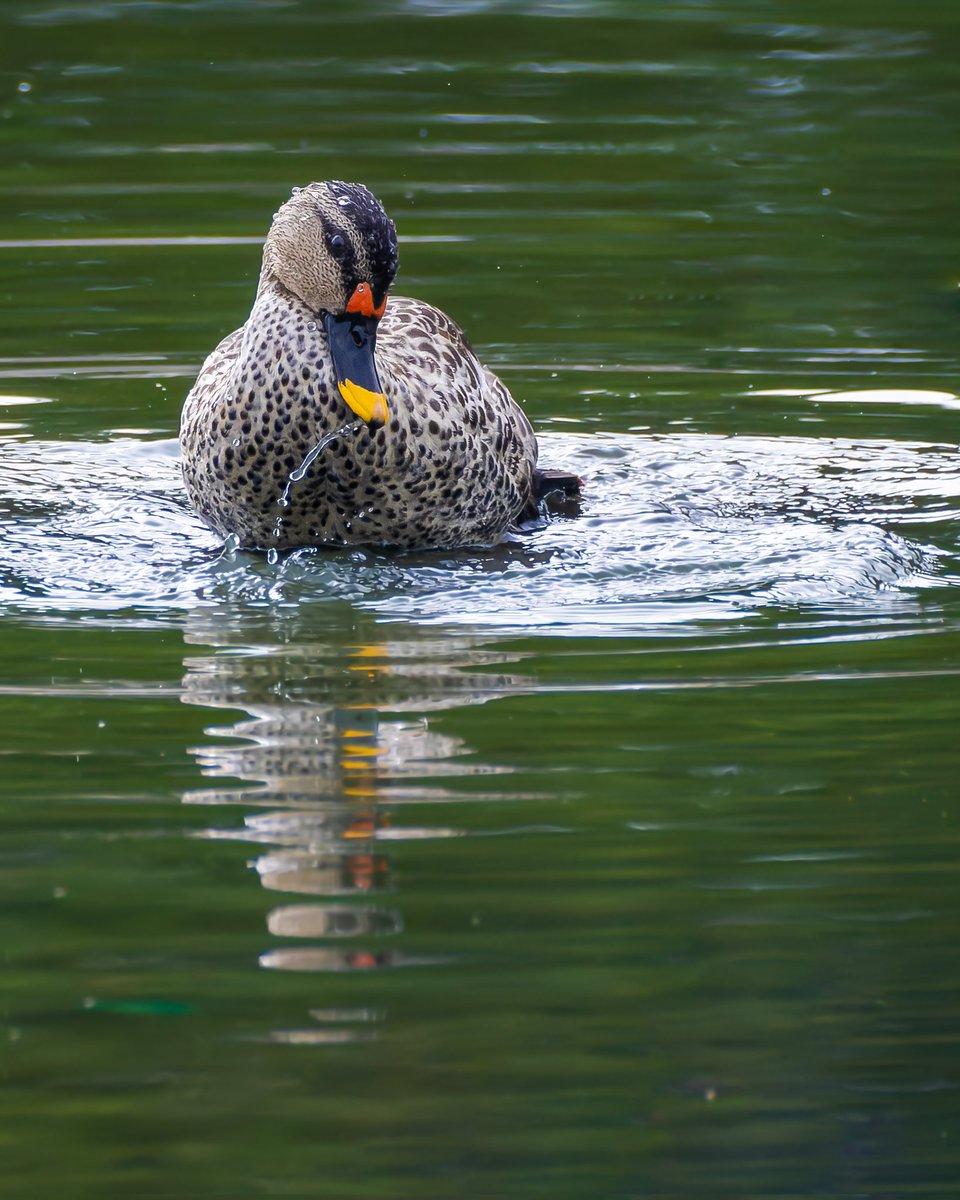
[
  {"x": 185, "y": 240},
  {"x": 673, "y": 530},
  {"x": 893, "y": 396},
  {"x": 326, "y": 959}
]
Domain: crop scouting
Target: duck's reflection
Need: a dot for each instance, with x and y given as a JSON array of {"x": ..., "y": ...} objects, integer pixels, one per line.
[{"x": 335, "y": 740}]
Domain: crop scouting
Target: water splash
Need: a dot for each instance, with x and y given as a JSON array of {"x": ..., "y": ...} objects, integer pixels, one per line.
[
  {"x": 295, "y": 476},
  {"x": 675, "y": 530}
]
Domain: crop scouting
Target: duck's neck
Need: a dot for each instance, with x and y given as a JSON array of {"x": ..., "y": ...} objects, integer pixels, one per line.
[{"x": 269, "y": 283}]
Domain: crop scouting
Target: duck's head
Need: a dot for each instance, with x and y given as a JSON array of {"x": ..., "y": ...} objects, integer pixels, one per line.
[{"x": 333, "y": 246}]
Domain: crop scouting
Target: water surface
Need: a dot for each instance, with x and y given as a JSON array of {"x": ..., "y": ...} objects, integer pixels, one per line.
[{"x": 615, "y": 860}]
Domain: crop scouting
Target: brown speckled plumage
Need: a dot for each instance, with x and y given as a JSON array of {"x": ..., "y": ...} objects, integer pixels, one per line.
[{"x": 456, "y": 463}]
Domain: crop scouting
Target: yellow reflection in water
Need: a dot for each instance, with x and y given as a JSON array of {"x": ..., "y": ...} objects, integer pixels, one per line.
[{"x": 333, "y": 741}]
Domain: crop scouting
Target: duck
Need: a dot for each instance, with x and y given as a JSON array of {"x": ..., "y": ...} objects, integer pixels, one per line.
[{"x": 340, "y": 414}]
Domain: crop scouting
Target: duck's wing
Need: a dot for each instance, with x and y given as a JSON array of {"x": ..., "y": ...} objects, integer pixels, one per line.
[
  {"x": 445, "y": 388},
  {"x": 213, "y": 378}
]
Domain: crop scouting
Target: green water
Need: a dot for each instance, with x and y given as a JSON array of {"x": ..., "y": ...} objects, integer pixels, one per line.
[{"x": 616, "y": 861}]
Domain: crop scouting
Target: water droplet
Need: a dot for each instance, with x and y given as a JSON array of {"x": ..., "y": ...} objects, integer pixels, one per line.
[
  {"x": 283, "y": 500},
  {"x": 343, "y": 201},
  {"x": 24, "y": 87},
  {"x": 236, "y": 441},
  {"x": 273, "y": 556},
  {"x": 312, "y": 326}
]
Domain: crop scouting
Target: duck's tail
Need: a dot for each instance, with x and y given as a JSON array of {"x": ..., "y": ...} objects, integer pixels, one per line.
[
  {"x": 545, "y": 482},
  {"x": 559, "y": 489}
]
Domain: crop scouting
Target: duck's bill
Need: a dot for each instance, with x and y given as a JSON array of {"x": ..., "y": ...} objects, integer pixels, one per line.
[
  {"x": 353, "y": 340},
  {"x": 369, "y": 406}
]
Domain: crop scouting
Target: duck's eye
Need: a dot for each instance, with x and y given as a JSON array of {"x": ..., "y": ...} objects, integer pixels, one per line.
[{"x": 337, "y": 245}]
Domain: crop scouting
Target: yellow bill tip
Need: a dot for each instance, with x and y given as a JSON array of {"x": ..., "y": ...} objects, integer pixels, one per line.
[{"x": 369, "y": 406}]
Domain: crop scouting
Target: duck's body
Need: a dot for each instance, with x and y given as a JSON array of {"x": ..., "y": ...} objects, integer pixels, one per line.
[
  {"x": 453, "y": 465},
  {"x": 442, "y": 455}
]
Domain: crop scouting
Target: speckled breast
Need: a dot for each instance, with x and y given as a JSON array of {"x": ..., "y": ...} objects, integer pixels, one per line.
[{"x": 452, "y": 467}]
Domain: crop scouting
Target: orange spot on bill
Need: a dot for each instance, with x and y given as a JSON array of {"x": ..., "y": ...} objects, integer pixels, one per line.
[{"x": 362, "y": 302}]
